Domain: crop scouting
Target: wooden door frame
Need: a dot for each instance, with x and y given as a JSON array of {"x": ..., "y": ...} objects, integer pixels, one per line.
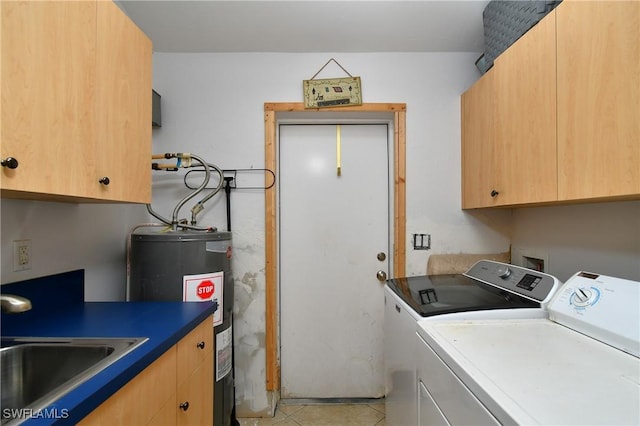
[{"x": 271, "y": 111}]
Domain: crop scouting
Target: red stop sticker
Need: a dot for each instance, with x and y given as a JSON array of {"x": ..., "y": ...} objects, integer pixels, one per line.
[{"x": 205, "y": 290}]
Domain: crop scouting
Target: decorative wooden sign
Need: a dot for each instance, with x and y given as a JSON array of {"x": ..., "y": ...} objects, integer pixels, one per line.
[{"x": 332, "y": 92}]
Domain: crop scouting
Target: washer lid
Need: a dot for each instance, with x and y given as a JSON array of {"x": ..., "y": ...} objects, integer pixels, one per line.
[{"x": 432, "y": 295}]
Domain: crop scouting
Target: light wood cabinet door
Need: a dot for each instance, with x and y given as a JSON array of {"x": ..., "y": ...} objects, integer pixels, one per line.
[
  {"x": 148, "y": 396},
  {"x": 525, "y": 158},
  {"x": 195, "y": 376},
  {"x": 194, "y": 347},
  {"x": 157, "y": 396},
  {"x": 196, "y": 390},
  {"x": 477, "y": 143},
  {"x": 123, "y": 107},
  {"x": 48, "y": 87},
  {"x": 76, "y": 102},
  {"x": 598, "y": 99}
]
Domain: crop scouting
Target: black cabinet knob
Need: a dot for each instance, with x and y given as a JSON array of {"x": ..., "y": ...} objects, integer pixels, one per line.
[
  {"x": 105, "y": 181},
  {"x": 200, "y": 345},
  {"x": 10, "y": 163},
  {"x": 184, "y": 406},
  {"x": 494, "y": 193}
]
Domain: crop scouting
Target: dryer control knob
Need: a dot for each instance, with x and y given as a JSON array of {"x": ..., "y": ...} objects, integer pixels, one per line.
[{"x": 583, "y": 296}]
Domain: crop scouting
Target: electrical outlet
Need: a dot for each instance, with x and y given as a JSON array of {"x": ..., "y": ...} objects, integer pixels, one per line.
[
  {"x": 21, "y": 255},
  {"x": 421, "y": 241}
]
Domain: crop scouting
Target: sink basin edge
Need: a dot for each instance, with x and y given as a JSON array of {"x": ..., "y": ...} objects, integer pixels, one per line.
[{"x": 38, "y": 374}]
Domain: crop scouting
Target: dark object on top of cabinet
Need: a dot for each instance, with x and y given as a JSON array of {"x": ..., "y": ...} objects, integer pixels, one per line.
[{"x": 507, "y": 21}]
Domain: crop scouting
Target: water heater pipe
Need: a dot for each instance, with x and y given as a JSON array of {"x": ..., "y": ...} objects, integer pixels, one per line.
[{"x": 184, "y": 160}]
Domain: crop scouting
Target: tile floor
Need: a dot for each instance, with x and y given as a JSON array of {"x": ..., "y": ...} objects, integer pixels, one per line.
[{"x": 323, "y": 414}]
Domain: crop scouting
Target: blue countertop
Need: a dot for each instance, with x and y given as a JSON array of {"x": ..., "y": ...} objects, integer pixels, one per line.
[{"x": 163, "y": 323}]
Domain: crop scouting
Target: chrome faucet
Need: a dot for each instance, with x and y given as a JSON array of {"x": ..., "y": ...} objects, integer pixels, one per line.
[{"x": 14, "y": 304}]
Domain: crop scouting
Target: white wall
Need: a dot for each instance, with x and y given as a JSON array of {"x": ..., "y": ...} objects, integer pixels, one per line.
[
  {"x": 601, "y": 238},
  {"x": 212, "y": 105},
  {"x": 67, "y": 236}
]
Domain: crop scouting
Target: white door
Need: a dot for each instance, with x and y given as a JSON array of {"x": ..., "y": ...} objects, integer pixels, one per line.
[{"x": 331, "y": 230}]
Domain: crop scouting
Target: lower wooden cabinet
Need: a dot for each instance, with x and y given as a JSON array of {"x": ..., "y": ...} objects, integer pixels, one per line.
[
  {"x": 177, "y": 389},
  {"x": 195, "y": 378},
  {"x": 194, "y": 400}
]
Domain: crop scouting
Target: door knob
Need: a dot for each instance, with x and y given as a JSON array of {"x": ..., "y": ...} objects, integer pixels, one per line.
[
  {"x": 381, "y": 256},
  {"x": 381, "y": 275}
]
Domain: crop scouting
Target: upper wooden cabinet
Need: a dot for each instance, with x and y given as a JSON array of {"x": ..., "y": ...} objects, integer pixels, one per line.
[
  {"x": 76, "y": 102},
  {"x": 478, "y": 138},
  {"x": 508, "y": 126},
  {"x": 123, "y": 107},
  {"x": 48, "y": 85},
  {"x": 598, "y": 99},
  {"x": 525, "y": 118},
  {"x": 566, "y": 102}
]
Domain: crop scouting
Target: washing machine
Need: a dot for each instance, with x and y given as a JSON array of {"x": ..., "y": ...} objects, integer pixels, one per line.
[{"x": 488, "y": 289}]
